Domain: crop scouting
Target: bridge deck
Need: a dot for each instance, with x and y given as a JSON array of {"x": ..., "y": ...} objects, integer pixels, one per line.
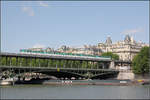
[
  {"x": 54, "y": 56},
  {"x": 53, "y": 68}
]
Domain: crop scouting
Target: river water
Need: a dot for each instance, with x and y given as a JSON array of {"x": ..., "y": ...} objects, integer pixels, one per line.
[{"x": 74, "y": 92}]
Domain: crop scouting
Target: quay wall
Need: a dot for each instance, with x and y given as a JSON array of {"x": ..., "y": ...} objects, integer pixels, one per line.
[{"x": 126, "y": 75}]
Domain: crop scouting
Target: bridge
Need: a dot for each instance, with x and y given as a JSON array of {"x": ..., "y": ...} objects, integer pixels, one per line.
[{"x": 58, "y": 65}]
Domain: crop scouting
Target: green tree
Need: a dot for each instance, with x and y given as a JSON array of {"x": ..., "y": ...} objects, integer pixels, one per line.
[
  {"x": 140, "y": 63},
  {"x": 110, "y": 54}
]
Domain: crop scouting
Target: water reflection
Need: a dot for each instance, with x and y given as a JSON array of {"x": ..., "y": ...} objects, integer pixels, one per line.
[{"x": 74, "y": 92}]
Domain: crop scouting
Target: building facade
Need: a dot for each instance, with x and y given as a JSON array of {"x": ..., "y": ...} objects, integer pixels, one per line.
[
  {"x": 126, "y": 49},
  {"x": 87, "y": 50}
]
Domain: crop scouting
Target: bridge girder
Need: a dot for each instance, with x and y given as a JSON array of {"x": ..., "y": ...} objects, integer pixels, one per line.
[{"x": 66, "y": 73}]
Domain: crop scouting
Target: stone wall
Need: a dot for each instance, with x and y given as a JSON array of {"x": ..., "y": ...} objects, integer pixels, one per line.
[{"x": 126, "y": 75}]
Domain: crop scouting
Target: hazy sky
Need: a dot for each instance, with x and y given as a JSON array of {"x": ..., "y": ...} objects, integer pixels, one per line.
[{"x": 54, "y": 23}]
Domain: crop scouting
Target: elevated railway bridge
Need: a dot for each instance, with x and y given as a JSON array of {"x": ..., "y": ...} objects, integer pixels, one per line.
[{"x": 58, "y": 65}]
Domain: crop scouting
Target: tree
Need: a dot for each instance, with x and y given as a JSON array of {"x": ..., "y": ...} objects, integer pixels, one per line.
[
  {"x": 140, "y": 63},
  {"x": 113, "y": 56}
]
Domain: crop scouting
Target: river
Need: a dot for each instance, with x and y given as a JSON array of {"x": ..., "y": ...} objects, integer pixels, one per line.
[{"x": 74, "y": 92}]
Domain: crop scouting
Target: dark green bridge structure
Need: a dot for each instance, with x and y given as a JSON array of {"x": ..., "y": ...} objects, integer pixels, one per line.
[{"x": 60, "y": 66}]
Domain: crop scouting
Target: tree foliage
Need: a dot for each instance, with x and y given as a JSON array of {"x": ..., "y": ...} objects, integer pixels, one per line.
[
  {"x": 140, "y": 63},
  {"x": 113, "y": 56}
]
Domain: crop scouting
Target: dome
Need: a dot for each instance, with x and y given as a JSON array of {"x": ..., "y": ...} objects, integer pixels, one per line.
[
  {"x": 108, "y": 41},
  {"x": 127, "y": 39}
]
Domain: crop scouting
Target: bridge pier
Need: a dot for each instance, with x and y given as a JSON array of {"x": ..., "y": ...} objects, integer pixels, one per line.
[{"x": 112, "y": 65}]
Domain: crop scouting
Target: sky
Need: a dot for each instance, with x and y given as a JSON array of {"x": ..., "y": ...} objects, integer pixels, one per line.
[{"x": 28, "y": 24}]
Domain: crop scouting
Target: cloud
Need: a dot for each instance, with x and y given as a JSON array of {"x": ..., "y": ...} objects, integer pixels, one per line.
[
  {"x": 38, "y": 46},
  {"x": 28, "y": 10},
  {"x": 41, "y": 3},
  {"x": 132, "y": 31}
]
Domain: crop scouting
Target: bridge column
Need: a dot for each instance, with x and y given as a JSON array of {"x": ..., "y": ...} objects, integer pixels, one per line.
[
  {"x": 16, "y": 61},
  {"x": 56, "y": 64},
  {"x": 74, "y": 64},
  {"x": 80, "y": 64},
  {"x": 112, "y": 65},
  {"x": 20, "y": 62},
  {"x": 30, "y": 62},
  {"x": 87, "y": 65},
  {"x": 39, "y": 62},
  {"x": 59, "y": 66},
  {"x": 0, "y": 60},
  {"x": 71, "y": 63},
  {"x": 6, "y": 60},
  {"x": 46, "y": 62},
  {"x": 50, "y": 63},
  {"x": 26, "y": 61},
  {"x": 34, "y": 62},
  {"x": 103, "y": 66},
  {"x": 10, "y": 61},
  {"x": 64, "y": 63},
  {"x": 92, "y": 63},
  {"x": 97, "y": 66}
]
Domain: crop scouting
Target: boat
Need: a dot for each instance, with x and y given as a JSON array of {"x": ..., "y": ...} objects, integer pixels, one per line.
[{"x": 8, "y": 81}]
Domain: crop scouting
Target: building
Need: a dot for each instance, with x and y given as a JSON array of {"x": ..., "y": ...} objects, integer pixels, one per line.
[
  {"x": 86, "y": 49},
  {"x": 126, "y": 49}
]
